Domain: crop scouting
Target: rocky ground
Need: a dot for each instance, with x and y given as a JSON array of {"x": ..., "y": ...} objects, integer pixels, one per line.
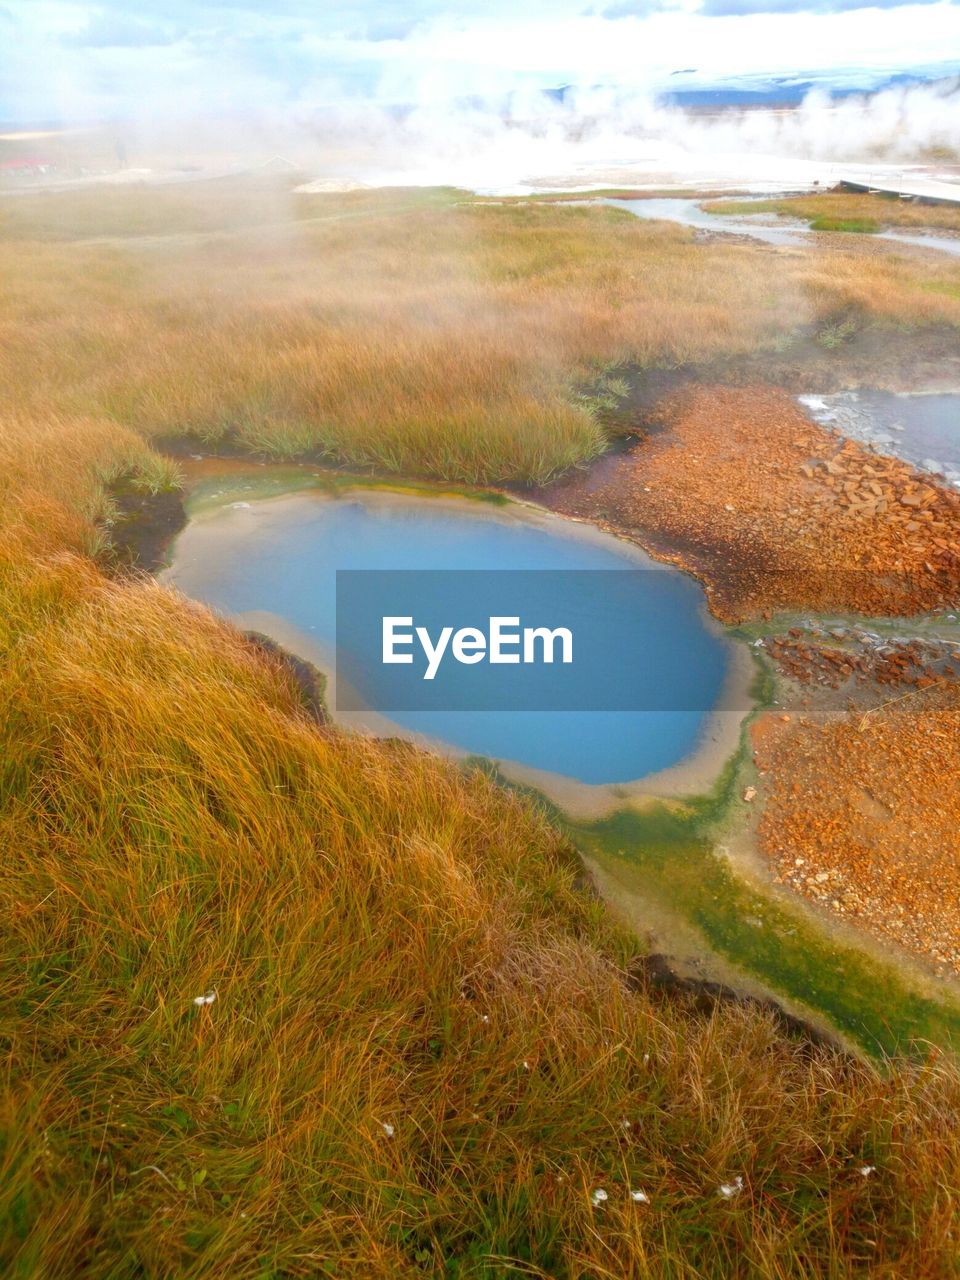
[
  {"x": 860, "y": 786},
  {"x": 775, "y": 512},
  {"x": 865, "y": 663},
  {"x": 862, "y": 816},
  {"x": 859, "y": 776}
]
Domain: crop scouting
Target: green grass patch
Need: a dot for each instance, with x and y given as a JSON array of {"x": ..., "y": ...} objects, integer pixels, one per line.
[
  {"x": 784, "y": 209},
  {"x": 860, "y": 226},
  {"x": 847, "y": 211},
  {"x": 946, "y": 288},
  {"x": 668, "y": 855},
  {"x": 731, "y": 208}
]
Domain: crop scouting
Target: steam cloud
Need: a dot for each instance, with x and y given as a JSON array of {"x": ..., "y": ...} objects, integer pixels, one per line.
[{"x": 532, "y": 138}]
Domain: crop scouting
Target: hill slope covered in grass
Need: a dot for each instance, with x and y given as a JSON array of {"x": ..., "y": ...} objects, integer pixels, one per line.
[{"x": 425, "y": 1055}]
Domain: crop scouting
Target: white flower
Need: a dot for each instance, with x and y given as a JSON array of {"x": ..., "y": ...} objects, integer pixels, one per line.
[
  {"x": 866, "y": 1170},
  {"x": 208, "y": 997},
  {"x": 730, "y": 1189},
  {"x": 626, "y": 1125},
  {"x": 599, "y": 1196},
  {"x": 526, "y": 1065},
  {"x": 388, "y": 1128},
  {"x": 639, "y": 1197}
]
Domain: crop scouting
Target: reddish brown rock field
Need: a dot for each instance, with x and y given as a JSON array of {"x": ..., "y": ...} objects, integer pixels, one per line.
[{"x": 774, "y": 512}]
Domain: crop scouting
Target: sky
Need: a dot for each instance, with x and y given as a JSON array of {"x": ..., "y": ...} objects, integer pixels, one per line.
[{"x": 62, "y": 60}]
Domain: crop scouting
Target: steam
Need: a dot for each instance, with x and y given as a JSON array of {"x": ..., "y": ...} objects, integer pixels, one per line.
[
  {"x": 596, "y": 135},
  {"x": 438, "y": 108}
]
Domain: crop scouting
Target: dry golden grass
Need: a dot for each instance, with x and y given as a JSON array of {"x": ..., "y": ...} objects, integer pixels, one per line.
[
  {"x": 423, "y": 1058},
  {"x": 419, "y": 334}
]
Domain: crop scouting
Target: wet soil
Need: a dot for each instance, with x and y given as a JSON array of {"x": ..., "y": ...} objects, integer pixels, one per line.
[
  {"x": 144, "y": 527},
  {"x": 657, "y": 973}
]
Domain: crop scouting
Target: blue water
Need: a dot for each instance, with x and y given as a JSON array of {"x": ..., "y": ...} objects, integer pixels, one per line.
[{"x": 282, "y": 555}]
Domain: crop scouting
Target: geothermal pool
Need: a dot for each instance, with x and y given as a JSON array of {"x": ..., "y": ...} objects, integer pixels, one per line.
[{"x": 271, "y": 564}]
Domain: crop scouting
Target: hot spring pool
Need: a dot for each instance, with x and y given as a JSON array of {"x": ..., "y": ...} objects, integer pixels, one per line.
[{"x": 271, "y": 564}]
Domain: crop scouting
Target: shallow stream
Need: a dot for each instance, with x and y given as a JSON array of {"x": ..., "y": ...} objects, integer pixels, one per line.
[
  {"x": 768, "y": 228},
  {"x": 922, "y": 428}
]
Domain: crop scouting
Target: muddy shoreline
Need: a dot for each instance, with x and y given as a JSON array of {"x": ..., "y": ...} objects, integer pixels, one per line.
[{"x": 143, "y": 528}]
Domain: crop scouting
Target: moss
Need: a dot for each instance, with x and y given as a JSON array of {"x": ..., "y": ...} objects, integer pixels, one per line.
[
  {"x": 275, "y": 480},
  {"x": 669, "y": 860}
]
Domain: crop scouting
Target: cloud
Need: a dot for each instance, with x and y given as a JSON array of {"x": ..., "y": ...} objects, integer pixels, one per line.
[
  {"x": 105, "y": 31},
  {"x": 747, "y": 8},
  {"x": 147, "y": 60},
  {"x": 390, "y": 29},
  {"x": 202, "y": 11},
  {"x": 631, "y": 9}
]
